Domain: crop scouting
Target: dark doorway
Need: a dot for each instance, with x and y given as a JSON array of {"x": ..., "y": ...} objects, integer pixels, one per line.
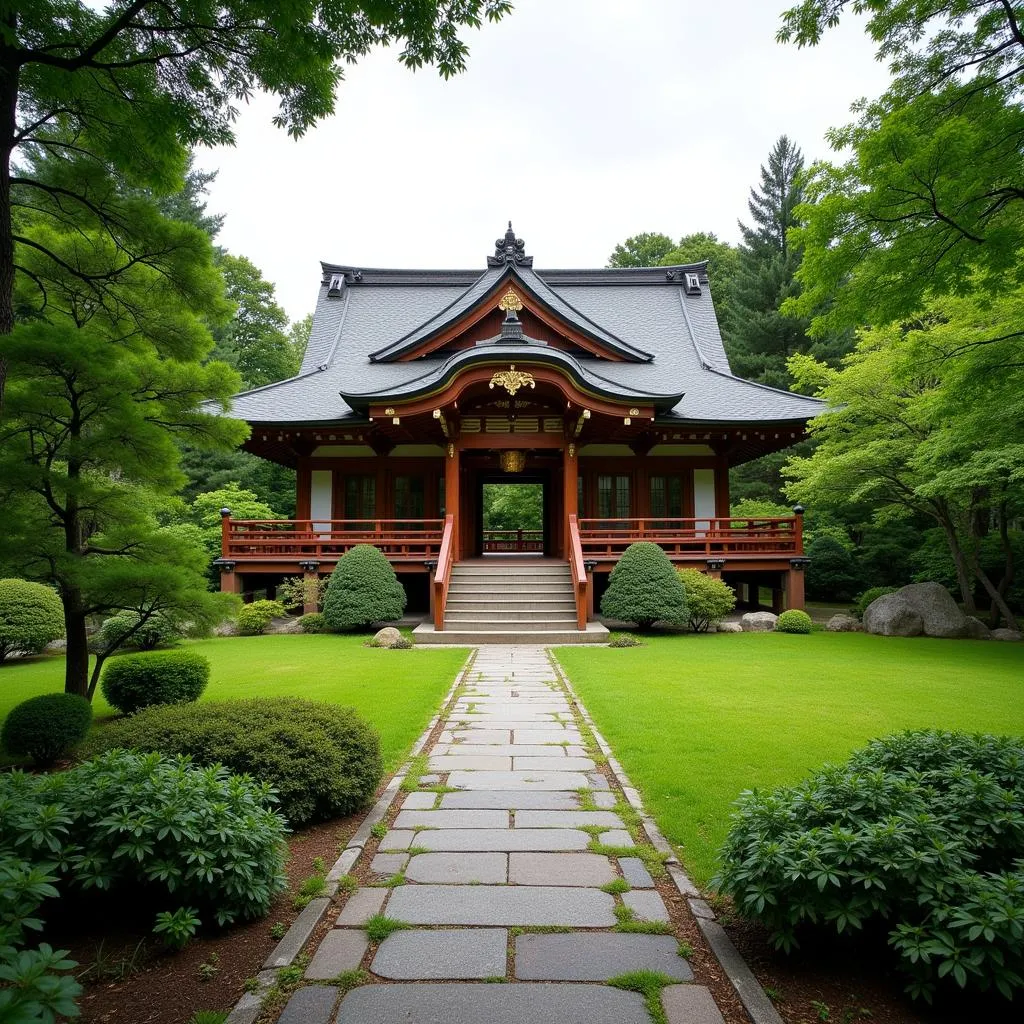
[{"x": 512, "y": 515}]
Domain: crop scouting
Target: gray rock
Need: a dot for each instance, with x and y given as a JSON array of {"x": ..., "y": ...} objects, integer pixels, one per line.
[
  {"x": 452, "y": 954},
  {"x": 891, "y": 616},
  {"x": 310, "y": 1005},
  {"x": 758, "y": 622},
  {"x": 288, "y": 624},
  {"x": 919, "y": 608},
  {"x": 465, "y": 868},
  {"x": 690, "y": 1004},
  {"x": 60, "y": 644},
  {"x": 976, "y": 629},
  {"x": 635, "y": 873},
  {"x": 386, "y": 637},
  {"x": 226, "y": 629},
  {"x": 843, "y": 624},
  {"x": 509, "y": 905},
  {"x": 597, "y": 957},
  {"x": 341, "y": 950},
  {"x": 455, "y": 1003},
  {"x": 1007, "y": 635},
  {"x": 646, "y": 904},
  {"x": 729, "y": 627},
  {"x": 587, "y": 869}
]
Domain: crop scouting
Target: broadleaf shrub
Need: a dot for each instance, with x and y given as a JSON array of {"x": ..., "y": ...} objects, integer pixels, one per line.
[
  {"x": 624, "y": 640},
  {"x": 870, "y": 595},
  {"x": 921, "y": 833},
  {"x": 135, "y": 681},
  {"x": 294, "y": 591},
  {"x": 794, "y": 621},
  {"x": 363, "y": 589},
  {"x": 708, "y": 600},
  {"x": 314, "y": 622},
  {"x": 644, "y": 588},
  {"x": 46, "y": 727},
  {"x": 254, "y": 618},
  {"x": 124, "y": 629},
  {"x": 322, "y": 760},
  {"x": 31, "y": 616}
]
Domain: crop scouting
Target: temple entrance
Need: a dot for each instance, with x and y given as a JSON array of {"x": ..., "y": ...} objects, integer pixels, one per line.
[{"x": 512, "y": 515}]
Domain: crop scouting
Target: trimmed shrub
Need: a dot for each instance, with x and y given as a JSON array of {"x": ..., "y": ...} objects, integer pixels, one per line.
[
  {"x": 623, "y": 640},
  {"x": 644, "y": 588},
  {"x": 31, "y": 616},
  {"x": 314, "y": 622},
  {"x": 322, "y": 760},
  {"x": 920, "y": 834},
  {"x": 157, "y": 828},
  {"x": 254, "y": 618},
  {"x": 136, "y": 681},
  {"x": 869, "y": 595},
  {"x": 708, "y": 600},
  {"x": 832, "y": 574},
  {"x": 46, "y": 727},
  {"x": 403, "y": 643},
  {"x": 293, "y": 591},
  {"x": 793, "y": 621},
  {"x": 363, "y": 590},
  {"x": 156, "y": 631}
]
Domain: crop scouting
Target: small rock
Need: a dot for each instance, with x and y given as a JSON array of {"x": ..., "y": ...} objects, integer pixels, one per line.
[
  {"x": 57, "y": 645},
  {"x": 843, "y": 624},
  {"x": 758, "y": 622},
  {"x": 226, "y": 629},
  {"x": 289, "y": 624},
  {"x": 976, "y": 629},
  {"x": 729, "y": 627},
  {"x": 386, "y": 637},
  {"x": 1007, "y": 635}
]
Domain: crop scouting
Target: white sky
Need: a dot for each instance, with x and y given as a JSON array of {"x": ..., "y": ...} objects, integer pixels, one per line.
[{"x": 584, "y": 121}]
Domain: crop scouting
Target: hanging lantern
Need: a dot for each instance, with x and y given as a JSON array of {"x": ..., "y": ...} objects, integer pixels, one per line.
[{"x": 512, "y": 461}]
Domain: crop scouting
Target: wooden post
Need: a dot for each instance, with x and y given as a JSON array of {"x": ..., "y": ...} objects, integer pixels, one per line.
[
  {"x": 795, "y": 583},
  {"x": 714, "y": 568},
  {"x": 230, "y": 581},
  {"x": 778, "y": 605},
  {"x": 452, "y": 501},
  {"x": 225, "y": 531},
  {"x": 570, "y": 492},
  {"x": 310, "y": 587}
]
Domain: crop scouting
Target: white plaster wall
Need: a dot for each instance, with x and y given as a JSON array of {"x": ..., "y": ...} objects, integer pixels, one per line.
[
  {"x": 321, "y": 486},
  {"x": 703, "y": 496}
]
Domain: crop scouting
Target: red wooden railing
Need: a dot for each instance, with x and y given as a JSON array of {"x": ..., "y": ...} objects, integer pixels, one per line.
[
  {"x": 579, "y": 572},
  {"x": 513, "y": 540},
  {"x": 608, "y": 538},
  {"x": 291, "y": 539},
  {"x": 443, "y": 573}
]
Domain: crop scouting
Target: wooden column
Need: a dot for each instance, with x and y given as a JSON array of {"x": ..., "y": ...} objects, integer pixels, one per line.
[
  {"x": 310, "y": 586},
  {"x": 795, "y": 583},
  {"x": 230, "y": 581},
  {"x": 570, "y": 493},
  {"x": 452, "y": 497}
]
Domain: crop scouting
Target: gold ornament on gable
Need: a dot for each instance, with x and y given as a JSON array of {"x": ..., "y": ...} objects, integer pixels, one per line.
[{"x": 512, "y": 379}]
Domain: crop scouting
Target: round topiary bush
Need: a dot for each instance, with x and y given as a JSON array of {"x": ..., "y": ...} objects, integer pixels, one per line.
[
  {"x": 323, "y": 760},
  {"x": 708, "y": 599},
  {"x": 793, "y": 621},
  {"x": 46, "y": 727},
  {"x": 623, "y": 640},
  {"x": 644, "y": 588},
  {"x": 870, "y": 595},
  {"x": 313, "y": 622},
  {"x": 136, "y": 681},
  {"x": 31, "y": 616},
  {"x": 254, "y": 618},
  {"x": 363, "y": 590},
  {"x": 124, "y": 629}
]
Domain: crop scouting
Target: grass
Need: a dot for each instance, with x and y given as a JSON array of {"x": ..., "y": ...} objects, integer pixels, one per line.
[
  {"x": 695, "y": 720},
  {"x": 380, "y": 926},
  {"x": 649, "y": 984},
  {"x": 396, "y": 695}
]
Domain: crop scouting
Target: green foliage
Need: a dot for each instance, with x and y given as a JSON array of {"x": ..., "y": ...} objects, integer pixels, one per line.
[
  {"x": 46, "y": 727},
  {"x": 129, "y": 630},
  {"x": 793, "y": 621},
  {"x": 513, "y": 506},
  {"x": 150, "y": 826},
  {"x": 204, "y": 512},
  {"x": 869, "y": 595},
  {"x": 293, "y": 592},
  {"x": 644, "y": 588},
  {"x": 31, "y": 616},
  {"x": 136, "y": 681},
  {"x": 708, "y": 600},
  {"x": 921, "y": 832},
  {"x": 624, "y": 640},
  {"x": 379, "y": 927},
  {"x": 363, "y": 590},
  {"x": 403, "y": 643},
  {"x": 759, "y": 508},
  {"x": 314, "y": 622},
  {"x": 647, "y": 249},
  {"x": 33, "y": 989},
  {"x": 177, "y": 928},
  {"x": 254, "y": 618},
  {"x": 832, "y": 574},
  {"x": 649, "y": 984},
  {"x": 322, "y": 761}
]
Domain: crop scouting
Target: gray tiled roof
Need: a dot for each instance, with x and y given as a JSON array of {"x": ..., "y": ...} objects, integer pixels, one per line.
[{"x": 670, "y": 339}]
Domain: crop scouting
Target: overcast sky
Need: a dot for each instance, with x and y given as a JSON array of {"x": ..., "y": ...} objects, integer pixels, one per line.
[{"x": 584, "y": 121}]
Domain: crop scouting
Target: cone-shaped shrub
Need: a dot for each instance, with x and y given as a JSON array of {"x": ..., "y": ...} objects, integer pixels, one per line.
[
  {"x": 31, "y": 616},
  {"x": 363, "y": 589},
  {"x": 644, "y": 588}
]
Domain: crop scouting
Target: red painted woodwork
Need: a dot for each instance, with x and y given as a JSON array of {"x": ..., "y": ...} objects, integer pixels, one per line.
[
  {"x": 443, "y": 572},
  {"x": 517, "y": 541},
  {"x": 288, "y": 540},
  {"x": 608, "y": 538},
  {"x": 578, "y": 569}
]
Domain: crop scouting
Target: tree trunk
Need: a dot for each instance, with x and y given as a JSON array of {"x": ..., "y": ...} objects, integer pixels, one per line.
[
  {"x": 963, "y": 573},
  {"x": 1009, "y": 567},
  {"x": 76, "y": 663},
  {"x": 9, "y": 75}
]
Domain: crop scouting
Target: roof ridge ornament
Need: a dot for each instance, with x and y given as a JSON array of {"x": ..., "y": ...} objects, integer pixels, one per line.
[{"x": 509, "y": 251}]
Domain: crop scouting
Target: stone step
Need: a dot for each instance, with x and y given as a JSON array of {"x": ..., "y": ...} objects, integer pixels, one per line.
[
  {"x": 498, "y": 624},
  {"x": 595, "y": 633},
  {"x": 511, "y": 603},
  {"x": 511, "y": 588},
  {"x": 511, "y": 569}
]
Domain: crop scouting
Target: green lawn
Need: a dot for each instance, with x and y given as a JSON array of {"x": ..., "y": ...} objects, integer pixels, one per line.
[
  {"x": 695, "y": 720},
  {"x": 398, "y": 691}
]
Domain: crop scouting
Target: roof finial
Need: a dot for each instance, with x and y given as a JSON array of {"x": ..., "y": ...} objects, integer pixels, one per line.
[{"x": 509, "y": 250}]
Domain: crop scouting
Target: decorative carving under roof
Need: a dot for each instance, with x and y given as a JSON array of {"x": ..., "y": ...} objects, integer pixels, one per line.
[
  {"x": 510, "y": 301},
  {"x": 512, "y": 379},
  {"x": 509, "y": 250}
]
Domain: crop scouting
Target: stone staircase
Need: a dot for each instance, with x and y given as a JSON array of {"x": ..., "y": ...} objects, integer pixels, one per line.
[{"x": 511, "y": 602}]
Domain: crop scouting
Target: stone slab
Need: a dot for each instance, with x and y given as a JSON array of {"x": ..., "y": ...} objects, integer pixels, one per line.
[
  {"x": 550, "y": 735},
  {"x": 604, "y": 799},
  {"x": 313, "y": 1004},
  {"x": 647, "y": 905},
  {"x": 464, "y": 868},
  {"x": 452, "y": 819},
  {"x": 396, "y": 839},
  {"x": 441, "y": 1003},
  {"x": 465, "y": 840},
  {"x": 455, "y": 763},
  {"x": 496, "y": 749},
  {"x": 595, "y": 780},
  {"x": 388, "y": 863},
  {"x": 341, "y": 950},
  {"x": 419, "y": 801},
  {"x": 509, "y": 905},
  {"x": 553, "y": 763},
  {"x": 295, "y": 938},
  {"x": 597, "y": 957},
  {"x": 567, "y": 819},
  {"x": 616, "y": 837},
  {"x": 481, "y": 737},
  {"x": 454, "y": 954},
  {"x": 512, "y": 800},
  {"x": 570, "y": 781},
  {"x": 477, "y": 723},
  {"x": 634, "y": 872},
  {"x": 690, "y": 1004},
  {"x": 559, "y": 869},
  {"x": 362, "y": 905}
]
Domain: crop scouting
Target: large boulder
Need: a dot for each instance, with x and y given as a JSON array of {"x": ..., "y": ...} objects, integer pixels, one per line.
[
  {"x": 843, "y": 624},
  {"x": 921, "y": 608},
  {"x": 977, "y": 630},
  {"x": 1007, "y": 635},
  {"x": 386, "y": 637},
  {"x": 759, "y": 622}
]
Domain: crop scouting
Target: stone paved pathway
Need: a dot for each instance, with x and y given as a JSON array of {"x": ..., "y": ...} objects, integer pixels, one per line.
[{"x": 499, "y": 884}]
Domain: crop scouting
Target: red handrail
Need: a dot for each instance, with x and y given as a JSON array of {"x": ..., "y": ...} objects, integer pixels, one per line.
[
  {"x": 442, "y": 575},
  {"x": 328, "y": 538},
  {"x": 578, "y": 570},
  {"x": 711, "y": 535}
]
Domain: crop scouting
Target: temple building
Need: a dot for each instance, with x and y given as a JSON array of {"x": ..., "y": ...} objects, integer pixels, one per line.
[{"x": 610, "y": 389}]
